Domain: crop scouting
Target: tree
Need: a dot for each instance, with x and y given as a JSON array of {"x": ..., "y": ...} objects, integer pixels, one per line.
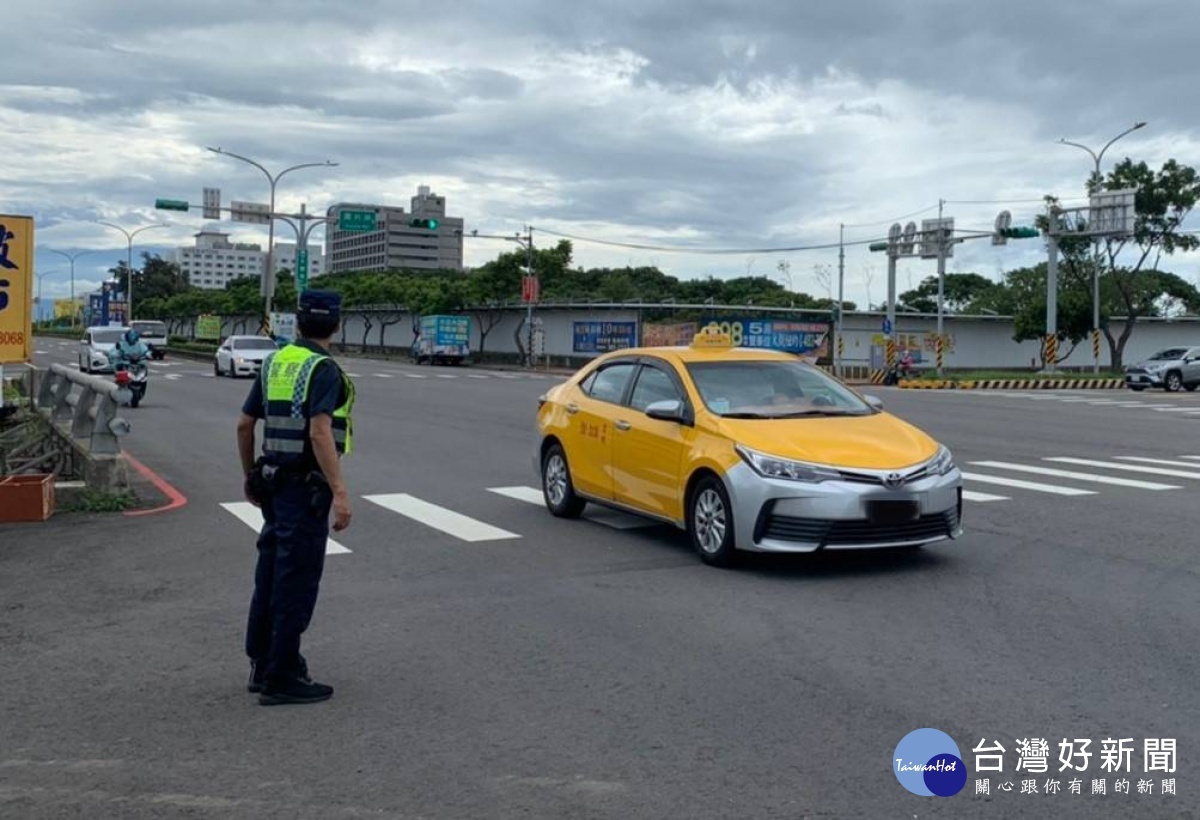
[
  {"x": 961, "y": 293},
  {"x": 158, "y": 279},
  {"x": 1163, "y": 201}
]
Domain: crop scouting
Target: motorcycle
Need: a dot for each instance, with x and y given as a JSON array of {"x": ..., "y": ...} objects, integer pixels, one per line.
[
  {"x": 133, "y": 376},
  {"x": 897, "y": 372}
]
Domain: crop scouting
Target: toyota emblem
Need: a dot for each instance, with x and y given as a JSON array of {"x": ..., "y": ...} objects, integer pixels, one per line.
[{"x": 893, "y": 480}]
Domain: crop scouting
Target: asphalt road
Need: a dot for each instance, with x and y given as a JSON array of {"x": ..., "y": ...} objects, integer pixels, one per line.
[{"x": 489, "y": 660}]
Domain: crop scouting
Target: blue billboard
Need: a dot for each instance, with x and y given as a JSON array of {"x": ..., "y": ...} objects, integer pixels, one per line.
[
  {"x": 601, "y": 337},
  {"x": 809, "y": 340}
]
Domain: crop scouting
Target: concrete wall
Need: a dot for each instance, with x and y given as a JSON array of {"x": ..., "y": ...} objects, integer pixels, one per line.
[{"x": 975, "y": 342}]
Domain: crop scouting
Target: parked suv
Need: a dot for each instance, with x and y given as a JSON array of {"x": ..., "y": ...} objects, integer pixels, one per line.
[{"x": 1172, "y": 369}]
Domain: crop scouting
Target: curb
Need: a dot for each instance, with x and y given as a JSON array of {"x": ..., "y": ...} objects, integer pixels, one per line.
[{"x": 1014, "y": 384}]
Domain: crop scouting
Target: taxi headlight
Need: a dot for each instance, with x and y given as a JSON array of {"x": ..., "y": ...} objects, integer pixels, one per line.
[
  {"x": 943, "y": 462},
  {"x": 770, "y": 466}
]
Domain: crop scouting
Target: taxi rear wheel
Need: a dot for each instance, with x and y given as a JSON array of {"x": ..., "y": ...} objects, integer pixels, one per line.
[
  {"x": 710, "y": 522},
  {"x": 557, "y": 488}
]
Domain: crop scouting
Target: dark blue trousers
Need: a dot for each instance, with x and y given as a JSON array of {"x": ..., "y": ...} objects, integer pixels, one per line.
[{"x": 291, "y": 558}]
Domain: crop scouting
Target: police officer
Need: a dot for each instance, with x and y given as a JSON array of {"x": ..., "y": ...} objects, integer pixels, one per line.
[{"x": 304, "y": 399}]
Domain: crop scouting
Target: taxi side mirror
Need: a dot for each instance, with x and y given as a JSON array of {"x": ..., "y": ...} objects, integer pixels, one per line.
[
  {"x": 666, "y": 410},
  {"x": 874, "y": 401}
]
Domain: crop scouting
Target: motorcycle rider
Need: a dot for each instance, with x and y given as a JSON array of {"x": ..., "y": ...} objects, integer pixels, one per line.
[{"x": 129, "y": 349}]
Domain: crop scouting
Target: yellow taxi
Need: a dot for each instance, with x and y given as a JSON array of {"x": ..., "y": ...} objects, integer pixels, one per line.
[{"x": 745, "y": 449}]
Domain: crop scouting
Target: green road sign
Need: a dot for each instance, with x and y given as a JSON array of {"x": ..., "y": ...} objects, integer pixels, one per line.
[
  {"x": 356, "y": 220},
  {"x": 302, "y": 268},
  {"x": 171, "y": 204}
]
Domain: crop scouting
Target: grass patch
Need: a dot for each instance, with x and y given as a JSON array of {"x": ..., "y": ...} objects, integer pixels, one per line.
[{"x": 92, "y": 501}]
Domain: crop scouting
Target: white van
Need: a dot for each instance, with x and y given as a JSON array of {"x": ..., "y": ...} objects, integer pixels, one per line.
[{"x": 154, "y": 334}]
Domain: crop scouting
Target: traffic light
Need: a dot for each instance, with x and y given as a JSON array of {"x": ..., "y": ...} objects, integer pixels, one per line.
[
  {"x": 430, "y": 224},
  {"x": 1021, "y": 233},
  {"x": 171, "y": 204},
  {"x": 879, "y": 246}
]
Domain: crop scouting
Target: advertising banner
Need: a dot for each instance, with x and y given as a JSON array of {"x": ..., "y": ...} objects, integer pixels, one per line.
[
  {"x": 208, "y": 327},
  {"x": 809, "y": 340},
  {"x": 16, "y": 288},
  {"x": 283, "y": 326},
  {"x": 601, "y": 337},
  {"x": 669, "y": 335}
]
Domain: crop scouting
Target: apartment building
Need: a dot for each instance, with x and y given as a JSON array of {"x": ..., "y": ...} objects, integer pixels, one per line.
[{"x": 214, "y": 261}]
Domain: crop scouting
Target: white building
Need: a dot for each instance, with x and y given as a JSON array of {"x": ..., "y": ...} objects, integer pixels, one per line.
[{"x": 215, "y": 261}]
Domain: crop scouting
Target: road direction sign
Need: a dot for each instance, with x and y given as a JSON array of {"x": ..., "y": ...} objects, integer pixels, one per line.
[
  {"x": 356, "y": 220},
  {"x": 257, "y": 212},
  {"x": 212, "y": 203},
  {"x": 302, "y": 269},
  {"x": 887, "y": 326}
]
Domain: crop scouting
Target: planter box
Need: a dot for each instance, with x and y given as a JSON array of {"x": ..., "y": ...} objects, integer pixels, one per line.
[{"x": 26, "y": 498}]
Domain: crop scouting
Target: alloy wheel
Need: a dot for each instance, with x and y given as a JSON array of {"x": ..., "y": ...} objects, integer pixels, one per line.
[
  {"x": 710, "y": 521},
  {"x": 556, "y": 479}
]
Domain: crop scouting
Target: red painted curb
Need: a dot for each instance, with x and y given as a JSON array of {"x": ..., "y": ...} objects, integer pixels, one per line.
[{"x": 178, "y": 499}]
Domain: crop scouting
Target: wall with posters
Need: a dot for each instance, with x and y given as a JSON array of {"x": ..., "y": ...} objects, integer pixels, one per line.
[
  {"x": 602, "y": 337},
  {"x": 809, "y": 340}
]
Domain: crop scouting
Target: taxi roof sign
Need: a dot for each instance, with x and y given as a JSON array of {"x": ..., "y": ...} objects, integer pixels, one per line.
[{"x": 711, "y": 337}]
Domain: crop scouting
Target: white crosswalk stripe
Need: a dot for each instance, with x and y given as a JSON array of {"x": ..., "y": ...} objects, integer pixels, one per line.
[
  {"x": 1133, "y": 468},
  {"x": 1098, "y": 479},
  {"x": 1053, "y": 489},
  {"x": 1162, "y": 462},
  {"x": 448, "y": 521},
  {"x": 251, "y": 516},
  {"x": 971, "y": 495},
  {"x": 609, "y": 518}
]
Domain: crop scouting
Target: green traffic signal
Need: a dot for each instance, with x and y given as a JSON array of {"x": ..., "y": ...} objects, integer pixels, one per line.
[
  {"x": 170, "y": 204},
  {"x": 879, "y": 246},
  {"x": 430, "y": 224},
  {"x": 1021, "y": 233}
]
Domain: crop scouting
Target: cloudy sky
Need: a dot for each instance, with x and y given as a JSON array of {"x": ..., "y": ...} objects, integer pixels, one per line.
[{"x": 702, "y": 124}]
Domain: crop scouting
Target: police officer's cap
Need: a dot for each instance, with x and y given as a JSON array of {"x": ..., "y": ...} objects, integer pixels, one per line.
[{"x": 323, "y": 303}]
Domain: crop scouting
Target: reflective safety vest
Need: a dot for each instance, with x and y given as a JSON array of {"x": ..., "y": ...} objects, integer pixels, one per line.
[{"x": 286, "y": 377}]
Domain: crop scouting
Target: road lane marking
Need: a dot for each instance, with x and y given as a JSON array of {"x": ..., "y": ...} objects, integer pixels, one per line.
[
  {"x": 354, "y": 375},
  {"x": 1098, "y": 479},
  {"x": 251, "y": 516},
  {"x": 1162, "y": 462},
  {"x": 383, "y": 375},
  {"x": 446, "y": 376},
  {"x": 1133, "y": 468},
  {"x": 1176, "y": 409},
  {"x": 416, "y": 376},
  {"x": 477, "y": 376},
  {"x": 596, "y": 513},
  {"x": 969, "y": 495},
  {"x": 1151, "y": 406},
  {"x": 1026, "y": 485},
  {"x": 1195, "y": 457},
  {"x": 450, "y": 522}
]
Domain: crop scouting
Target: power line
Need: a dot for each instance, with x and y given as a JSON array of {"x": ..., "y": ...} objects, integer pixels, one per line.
[
  {"x": 702, "y": 251},
  {"x": 1010, "y": 201},
  {"x": 893, "y": 219}
]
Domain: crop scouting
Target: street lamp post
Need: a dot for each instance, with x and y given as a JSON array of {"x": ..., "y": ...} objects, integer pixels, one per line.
[
  {"x": 72, "y": 257},
  {"x": 1097, "y": 180},
  {"x": 41, "y": 304},
  {"x": 129, "y": 235},
  {"x": 268, "y": 288}
]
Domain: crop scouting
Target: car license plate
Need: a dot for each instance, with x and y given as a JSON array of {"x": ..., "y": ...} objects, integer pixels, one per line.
[{"x": 893, "y": 512}]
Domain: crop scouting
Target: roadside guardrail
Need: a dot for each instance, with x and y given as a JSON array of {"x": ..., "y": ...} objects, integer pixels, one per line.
[{"x": 88, "y": 404}]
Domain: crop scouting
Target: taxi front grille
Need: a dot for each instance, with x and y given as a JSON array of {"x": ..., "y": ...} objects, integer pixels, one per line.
[{"x": 846, "y": 533}]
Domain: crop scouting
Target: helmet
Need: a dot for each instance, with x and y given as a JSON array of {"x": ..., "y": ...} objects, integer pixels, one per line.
[{"x": 132, "y": 336}]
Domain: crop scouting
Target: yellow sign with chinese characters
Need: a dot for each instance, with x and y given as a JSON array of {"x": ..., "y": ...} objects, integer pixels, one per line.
[
  {"x": 711, "y": 336},
  {"x": 16, "y": 288}
]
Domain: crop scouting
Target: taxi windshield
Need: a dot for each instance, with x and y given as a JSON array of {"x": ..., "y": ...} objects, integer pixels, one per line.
[{"x": 773, "y": 389}]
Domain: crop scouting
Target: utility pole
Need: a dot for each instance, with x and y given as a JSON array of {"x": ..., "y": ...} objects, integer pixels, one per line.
[
  {"x": 303, "y": 230},
  {"x": 943, "y": 244},
  {"x": 72, "y": 257},
  {"x": 1099, "y": 183},
  {"x": 529, "y": 305},
  {"x": 837, "y": 351}
]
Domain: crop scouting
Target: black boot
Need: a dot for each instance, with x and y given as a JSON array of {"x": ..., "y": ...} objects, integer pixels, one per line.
[{"x": 258, "y": 674}]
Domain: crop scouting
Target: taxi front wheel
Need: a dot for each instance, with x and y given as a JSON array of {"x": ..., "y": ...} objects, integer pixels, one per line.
[
  {"x": 710, "y": 522},
  {"x": 557, "y": 489}
]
